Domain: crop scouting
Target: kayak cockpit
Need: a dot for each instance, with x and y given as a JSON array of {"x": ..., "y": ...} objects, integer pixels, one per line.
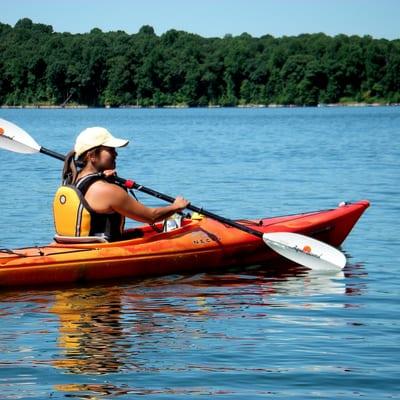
[
  {"x": 131, "y": 236},
  {"x": 128, "y": 234}
]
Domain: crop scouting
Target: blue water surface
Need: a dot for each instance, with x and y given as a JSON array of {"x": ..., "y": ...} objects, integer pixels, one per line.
[{"x": 242, "y": 334}]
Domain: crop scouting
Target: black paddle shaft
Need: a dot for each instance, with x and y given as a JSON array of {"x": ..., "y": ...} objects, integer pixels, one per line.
[
  {"x": 129, "y": 184},
  {"x": 133, "y": 185},
  {"x": 52, "y": 153}
]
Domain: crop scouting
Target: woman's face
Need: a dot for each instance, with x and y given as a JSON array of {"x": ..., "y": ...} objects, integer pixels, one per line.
[{"x": 105, "y": 158}]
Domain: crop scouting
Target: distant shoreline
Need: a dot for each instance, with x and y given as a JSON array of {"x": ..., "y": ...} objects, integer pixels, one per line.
[{"x": 74, "y": 107}]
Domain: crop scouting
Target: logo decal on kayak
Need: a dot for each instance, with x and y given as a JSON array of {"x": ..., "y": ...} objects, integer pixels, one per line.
[
  {"x": 202, "y": 241},
  {"x": 63, "y": 199},
  {"x": 307, "y": 249},
  {"x": 1, "y": 130}
]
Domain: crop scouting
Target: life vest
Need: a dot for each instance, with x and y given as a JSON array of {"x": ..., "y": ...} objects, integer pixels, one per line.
[{"x": 74, "y": 217}]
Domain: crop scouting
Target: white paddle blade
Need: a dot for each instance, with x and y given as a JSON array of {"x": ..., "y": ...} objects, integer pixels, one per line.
[
  {"x": 305, "y": 251},
  {"x": 13, "y": 138}
]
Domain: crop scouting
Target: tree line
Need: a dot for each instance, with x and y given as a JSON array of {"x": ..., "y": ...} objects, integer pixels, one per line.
[{"x": 40, "y": 66}]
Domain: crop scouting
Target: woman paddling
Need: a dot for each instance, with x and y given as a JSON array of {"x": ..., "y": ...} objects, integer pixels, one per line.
[{"x": 90, "y": 204}]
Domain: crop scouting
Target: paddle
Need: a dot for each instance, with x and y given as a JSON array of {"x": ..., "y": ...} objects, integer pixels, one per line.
[{"x": 301, "y": 249}]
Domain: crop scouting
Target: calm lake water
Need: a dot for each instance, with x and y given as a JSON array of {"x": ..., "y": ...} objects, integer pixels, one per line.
[{"x": 243, "y": 334}]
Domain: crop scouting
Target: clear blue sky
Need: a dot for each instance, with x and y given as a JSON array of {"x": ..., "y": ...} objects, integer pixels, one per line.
[{"x": 378, "y": 18}]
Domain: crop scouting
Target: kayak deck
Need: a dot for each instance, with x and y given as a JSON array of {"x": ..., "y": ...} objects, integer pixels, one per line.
[{"x": 198, "y": 245}]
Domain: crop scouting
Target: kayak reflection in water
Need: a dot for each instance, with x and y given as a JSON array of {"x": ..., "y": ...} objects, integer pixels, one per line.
[
  {"x": 90, "y": 203},
  {"x": 90, "y": 332},
  {"x": 104, "y": 330}
]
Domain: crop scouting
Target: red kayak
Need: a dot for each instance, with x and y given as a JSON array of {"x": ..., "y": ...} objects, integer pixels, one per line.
[{"x": 198, "y": 245}]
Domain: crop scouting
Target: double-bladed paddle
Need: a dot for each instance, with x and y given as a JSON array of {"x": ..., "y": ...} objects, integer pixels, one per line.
[{"x": 301, "y": 249}]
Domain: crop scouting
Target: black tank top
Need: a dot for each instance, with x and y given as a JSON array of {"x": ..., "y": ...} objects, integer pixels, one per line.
[{"x": 110, "y": 226}]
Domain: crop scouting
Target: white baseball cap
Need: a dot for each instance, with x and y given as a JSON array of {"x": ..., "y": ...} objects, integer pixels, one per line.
[{"x": 94, "y": 137}]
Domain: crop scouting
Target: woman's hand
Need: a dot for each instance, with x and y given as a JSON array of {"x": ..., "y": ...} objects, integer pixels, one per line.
[
  {"x": 109, "y": 172},
  {"x": 180, "y": 203}
]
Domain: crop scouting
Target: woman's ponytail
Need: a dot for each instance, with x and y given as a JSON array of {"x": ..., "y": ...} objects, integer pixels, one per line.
[{"x": 70, "y": 170}]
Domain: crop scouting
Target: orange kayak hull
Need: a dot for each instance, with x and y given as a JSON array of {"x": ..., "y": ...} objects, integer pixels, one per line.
[{"x": 199, "y": 245}]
